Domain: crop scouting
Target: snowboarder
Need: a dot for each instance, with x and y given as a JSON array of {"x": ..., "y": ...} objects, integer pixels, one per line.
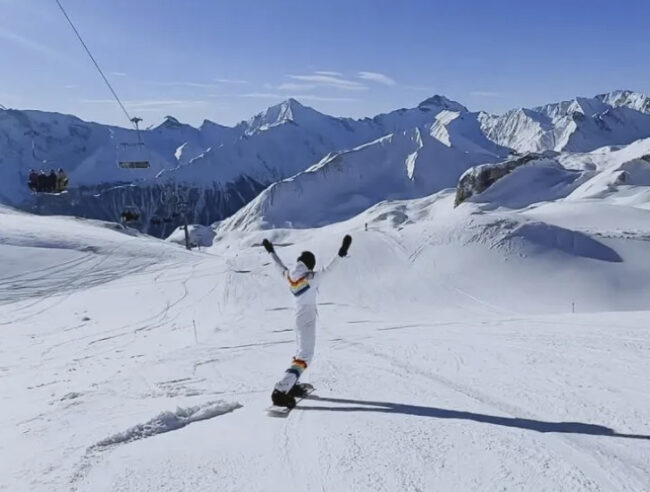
[{"x": 303, "y": 283}]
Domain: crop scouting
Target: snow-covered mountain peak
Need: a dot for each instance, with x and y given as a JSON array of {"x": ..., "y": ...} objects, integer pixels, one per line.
[
  {"x": 289, "y": 111},
  {"x": 171, "y": 123},
  {"x": 590, "y": 106},
  {"x": 211, "y": 125},
  {"x": 626, "y": 98},
  {"x": 438, "y": 101},
  {"x": 587, "y": 106}
]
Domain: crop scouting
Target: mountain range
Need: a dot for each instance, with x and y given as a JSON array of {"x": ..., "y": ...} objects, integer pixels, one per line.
[{"x": 291, "y": 165}]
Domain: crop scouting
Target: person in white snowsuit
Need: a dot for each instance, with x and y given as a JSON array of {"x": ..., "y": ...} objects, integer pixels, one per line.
[{"x": 303, "y": 282}]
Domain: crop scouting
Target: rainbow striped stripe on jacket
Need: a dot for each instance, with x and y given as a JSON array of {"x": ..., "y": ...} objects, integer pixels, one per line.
[{"x": 299, "y": 286}]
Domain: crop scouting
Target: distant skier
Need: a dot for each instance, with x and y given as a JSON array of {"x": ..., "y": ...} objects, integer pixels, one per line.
[{"x": 303, "y": 283}]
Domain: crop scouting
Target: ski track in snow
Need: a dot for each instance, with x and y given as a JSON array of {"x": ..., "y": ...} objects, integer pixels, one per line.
[
  {"x": 588, "y": 461},
  {"x": 164, "y": 422}
]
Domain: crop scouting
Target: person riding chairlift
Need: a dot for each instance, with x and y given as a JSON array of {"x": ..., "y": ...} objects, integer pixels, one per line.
[
  {"x": 41, "y": 182},
  {"x": 32, "y": 181},
  {"x": 61, "y": 180},
  {"x": 51, "y": 182}
]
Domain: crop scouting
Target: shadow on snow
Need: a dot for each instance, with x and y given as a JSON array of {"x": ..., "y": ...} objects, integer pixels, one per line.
[{"x": 441, "y": 413}]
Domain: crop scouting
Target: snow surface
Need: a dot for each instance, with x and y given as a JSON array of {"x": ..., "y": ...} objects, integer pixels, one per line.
[{"x": 448, "y": 356}]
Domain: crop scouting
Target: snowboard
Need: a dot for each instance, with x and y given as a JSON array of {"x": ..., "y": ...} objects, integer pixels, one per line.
[{"x": 277, "y": 411}]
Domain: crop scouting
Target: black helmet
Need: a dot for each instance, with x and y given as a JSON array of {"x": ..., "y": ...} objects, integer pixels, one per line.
[{"x": 308, "y": 258}]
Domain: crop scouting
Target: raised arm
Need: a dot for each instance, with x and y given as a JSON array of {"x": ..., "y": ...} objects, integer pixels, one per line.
[
  {"x": 343, "y": 252},
  {"x": 276, "y": 259}
]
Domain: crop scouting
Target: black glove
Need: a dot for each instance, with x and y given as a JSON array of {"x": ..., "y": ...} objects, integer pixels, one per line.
[
  {"x": 347, "y": 241},
  {"x": 267, "y": 246}
]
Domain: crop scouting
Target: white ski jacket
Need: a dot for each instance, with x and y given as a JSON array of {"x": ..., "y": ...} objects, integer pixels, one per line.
[{"x": 302, "y": 282}]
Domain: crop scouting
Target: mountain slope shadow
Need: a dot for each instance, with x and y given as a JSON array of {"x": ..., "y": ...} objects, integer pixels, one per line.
[{"x": 441, "y": 413}]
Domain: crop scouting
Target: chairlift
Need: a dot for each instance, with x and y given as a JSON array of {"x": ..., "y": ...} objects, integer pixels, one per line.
[
  {"x": 134, "y": 155},
  {"x": 42, "y": 183},
  {"x": 130, "y": 215}
]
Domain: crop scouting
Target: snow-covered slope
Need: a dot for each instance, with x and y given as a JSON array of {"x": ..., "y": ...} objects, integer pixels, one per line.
[
  {"x": 446, "y": 338},
  {"x": 416, "y": 164},
  {"x": 46, "y": 257},
  {"x": 402, "y": 165}
]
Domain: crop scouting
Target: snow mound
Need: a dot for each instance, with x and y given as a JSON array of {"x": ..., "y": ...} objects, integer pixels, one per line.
[
  {"x": 169, "y": 421},
  {"x": 539, "y": 181},
  {"x": 479, "y": 178},
  {"x": 545, "y": 237}
]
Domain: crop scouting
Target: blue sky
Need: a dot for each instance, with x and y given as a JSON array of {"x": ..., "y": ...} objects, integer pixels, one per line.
[{"x": 227, "y": 60}]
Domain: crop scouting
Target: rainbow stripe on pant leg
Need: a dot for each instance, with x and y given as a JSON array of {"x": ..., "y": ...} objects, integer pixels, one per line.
[{"x": 297, "y": 367}]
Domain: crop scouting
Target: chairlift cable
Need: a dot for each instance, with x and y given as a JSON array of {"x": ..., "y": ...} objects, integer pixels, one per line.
[{"x": 96, "y": 64}]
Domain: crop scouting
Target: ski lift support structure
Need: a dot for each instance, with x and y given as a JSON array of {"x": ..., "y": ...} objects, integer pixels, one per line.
[
  {"x": 138, "y": 163},
  {"x": 182, "y": 208}
]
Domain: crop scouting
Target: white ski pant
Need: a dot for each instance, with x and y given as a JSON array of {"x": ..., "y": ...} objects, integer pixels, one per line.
[{"x": 306, "y": 341}]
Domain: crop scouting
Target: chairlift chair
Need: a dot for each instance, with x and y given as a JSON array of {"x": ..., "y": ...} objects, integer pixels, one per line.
[{"x": 134, "y": 155}]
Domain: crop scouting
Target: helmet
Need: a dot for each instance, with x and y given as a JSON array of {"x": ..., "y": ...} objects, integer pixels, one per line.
[{"x": 308, "y": 259}]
